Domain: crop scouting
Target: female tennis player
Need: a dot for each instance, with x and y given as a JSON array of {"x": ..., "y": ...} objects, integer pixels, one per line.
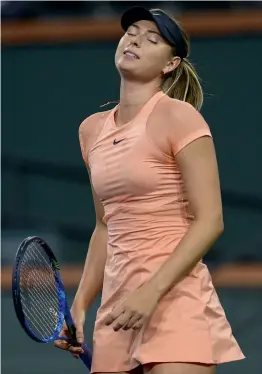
[{"x": 156, "y": 191}]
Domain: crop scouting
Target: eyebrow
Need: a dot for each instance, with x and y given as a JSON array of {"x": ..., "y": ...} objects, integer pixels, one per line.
[
  {"x": 154, "y": 32},
  {"x": 151, "y": 31}
]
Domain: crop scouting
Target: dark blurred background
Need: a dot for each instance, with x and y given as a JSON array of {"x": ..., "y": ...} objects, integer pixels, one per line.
[
  {"x": 105, "y": 9},
  {"x": 58, "y": 68}
]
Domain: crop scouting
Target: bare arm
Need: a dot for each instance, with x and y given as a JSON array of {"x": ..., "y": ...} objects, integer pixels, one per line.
[
  {"x": 198, "y": 166},
  {"x": 92, "y": 278}
]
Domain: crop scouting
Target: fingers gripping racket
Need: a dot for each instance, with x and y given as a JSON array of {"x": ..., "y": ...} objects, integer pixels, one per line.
[{"x": 39, "y": 295}]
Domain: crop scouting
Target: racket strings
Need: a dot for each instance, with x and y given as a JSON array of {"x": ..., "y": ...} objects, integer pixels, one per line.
[
  {"x": 39, "y": 294},
  {"x": 38, "y": 298},
  {"x": 34, "y": 313},
  {"x": 35, "y": 322},
  {"x": 42, "y": 288}
]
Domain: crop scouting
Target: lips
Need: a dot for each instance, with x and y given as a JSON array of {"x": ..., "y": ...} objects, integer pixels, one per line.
[{"x": 129, "y": 53}]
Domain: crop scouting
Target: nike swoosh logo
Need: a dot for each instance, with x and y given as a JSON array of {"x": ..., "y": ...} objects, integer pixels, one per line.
[{"x": 117, "y": 141}]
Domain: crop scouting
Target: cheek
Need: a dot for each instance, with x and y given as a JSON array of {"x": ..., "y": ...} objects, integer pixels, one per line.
[
  {"x": 155, "y": 63},
  {"x": 121, "y": 46},
  {"x": 161, "y": 58},
  {"x": 119, "y": 51}
]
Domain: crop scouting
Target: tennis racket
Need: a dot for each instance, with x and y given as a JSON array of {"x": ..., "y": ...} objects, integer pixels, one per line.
[{"x": 39, "y": 295}]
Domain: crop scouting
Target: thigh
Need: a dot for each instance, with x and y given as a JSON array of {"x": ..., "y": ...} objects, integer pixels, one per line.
[{"x": 179, "y": 368}]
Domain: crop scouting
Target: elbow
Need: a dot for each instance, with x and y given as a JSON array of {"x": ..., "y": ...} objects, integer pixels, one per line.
[
  {"x": 220, "y": 226},
  {"x": 100, "y": 224},
  {"x": 214, "y": 224},
  {"x": 217, "y": 224}
]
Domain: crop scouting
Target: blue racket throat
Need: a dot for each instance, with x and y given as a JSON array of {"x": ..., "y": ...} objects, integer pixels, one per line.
[{"x": 39, "y": 296}]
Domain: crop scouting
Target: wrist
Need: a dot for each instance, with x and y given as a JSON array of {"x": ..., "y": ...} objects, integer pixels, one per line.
[
  {"x": 151, "y": 288},
  {"x": 80, "y": 303}
]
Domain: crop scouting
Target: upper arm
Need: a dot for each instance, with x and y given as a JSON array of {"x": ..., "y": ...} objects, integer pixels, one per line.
[
  {"x": 194, "y": 152},
  {"x": 198, "y": 166}
]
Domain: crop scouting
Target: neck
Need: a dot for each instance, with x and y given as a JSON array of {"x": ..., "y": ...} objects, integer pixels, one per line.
[{"x": 133, "y": 96}]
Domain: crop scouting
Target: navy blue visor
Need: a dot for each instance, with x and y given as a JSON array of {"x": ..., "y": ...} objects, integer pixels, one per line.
[{"x": 166, "y": 25}]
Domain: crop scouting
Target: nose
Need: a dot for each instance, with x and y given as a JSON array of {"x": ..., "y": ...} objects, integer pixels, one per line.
[{"x": 136, "y": 41}]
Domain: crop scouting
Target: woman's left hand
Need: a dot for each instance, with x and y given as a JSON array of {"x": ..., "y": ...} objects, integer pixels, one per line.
[{"x": 134, "y": 311}]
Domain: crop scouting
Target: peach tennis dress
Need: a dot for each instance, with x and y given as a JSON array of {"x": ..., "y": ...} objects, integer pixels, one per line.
[{"x": 147, "y": 213}]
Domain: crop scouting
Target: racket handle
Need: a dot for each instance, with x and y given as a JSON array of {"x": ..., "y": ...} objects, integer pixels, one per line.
[{"x": 86, "y": 357}]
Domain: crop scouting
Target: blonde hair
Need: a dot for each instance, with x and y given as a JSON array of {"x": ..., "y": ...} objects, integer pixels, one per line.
[{"x": 183, "y": 83}]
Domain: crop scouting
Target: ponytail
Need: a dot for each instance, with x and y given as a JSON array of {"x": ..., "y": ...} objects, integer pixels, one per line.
[{"x": 183, "y": 83}]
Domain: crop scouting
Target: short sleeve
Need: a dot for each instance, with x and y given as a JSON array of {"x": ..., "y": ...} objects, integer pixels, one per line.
[
  {"x": 89, "y": 131},
  {"x": 186, "y": 125}
]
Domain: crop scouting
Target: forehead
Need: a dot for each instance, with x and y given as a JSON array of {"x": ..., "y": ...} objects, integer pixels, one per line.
[{"x": 147, "y": 25}]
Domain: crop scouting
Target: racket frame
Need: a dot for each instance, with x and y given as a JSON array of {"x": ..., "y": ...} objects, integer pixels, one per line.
[
  {"x": 64, "y": 311},
  {"x": 16, "y": 288}
]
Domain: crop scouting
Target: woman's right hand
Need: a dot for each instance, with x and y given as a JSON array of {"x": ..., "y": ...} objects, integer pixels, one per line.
[{"x": 78, "y": 316}]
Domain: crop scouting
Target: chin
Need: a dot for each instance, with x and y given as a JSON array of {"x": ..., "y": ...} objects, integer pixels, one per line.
[{"x": 126, "y": 70}]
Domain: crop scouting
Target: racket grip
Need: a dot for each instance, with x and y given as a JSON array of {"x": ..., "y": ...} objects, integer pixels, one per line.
[{"x": 86, "y": 357}]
